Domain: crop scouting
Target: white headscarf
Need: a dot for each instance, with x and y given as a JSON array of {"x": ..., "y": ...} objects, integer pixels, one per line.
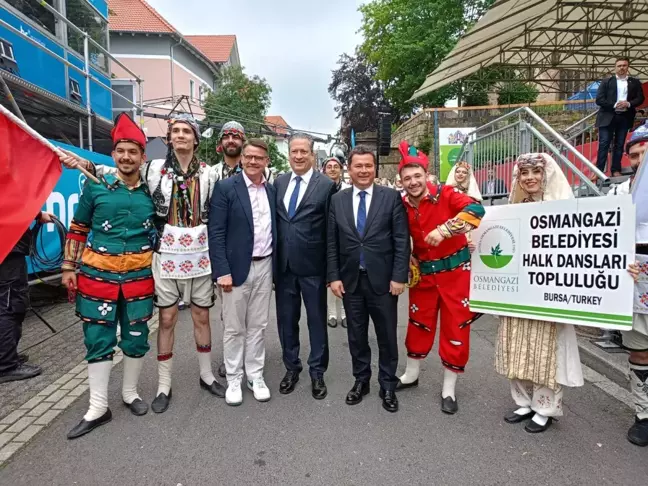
[
  {"x": 554, "y": 183},
  {"x": 473, "y": 189}
]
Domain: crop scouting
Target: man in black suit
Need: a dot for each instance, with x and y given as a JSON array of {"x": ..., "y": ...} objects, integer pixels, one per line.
[
  {"x": 618, "y": 97},
  {"x": 242, "y": 239},
  {"x": 368, "y": 264},
  {"x": 303, "y": 198}
]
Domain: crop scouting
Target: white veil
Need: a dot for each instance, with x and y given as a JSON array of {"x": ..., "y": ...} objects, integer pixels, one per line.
[
  {"x": 473, "y": 188},
  {"x": 554, "y": 184}
]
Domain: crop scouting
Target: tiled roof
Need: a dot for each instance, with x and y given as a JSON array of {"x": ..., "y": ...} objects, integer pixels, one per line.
[
  {"x": 136, "y": 16},
  {"x": 276, "y": 124},
  {"x": 217, "y": 47}
]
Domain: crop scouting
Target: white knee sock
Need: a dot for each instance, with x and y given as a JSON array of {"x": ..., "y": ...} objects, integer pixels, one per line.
[
  {"x": 132, "y": 369},
  {"x": 164, "y": 376},
  {"x": 98, "y": 378},
  {"x": 522, "y": 411},
  {"x": 411, "y": 371},
  {"x": 449, "y": 383},
  {"x": 639, "y": 390},
  {"x": 205, "y": 363}
]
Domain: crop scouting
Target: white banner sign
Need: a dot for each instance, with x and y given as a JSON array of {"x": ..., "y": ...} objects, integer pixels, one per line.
[{"x": 559, "y": 261}]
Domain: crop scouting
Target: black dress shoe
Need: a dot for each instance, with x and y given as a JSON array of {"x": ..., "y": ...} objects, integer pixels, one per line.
[
  {"x": 332, "y": 322},
  {"x": 215, "y": 388},
  {"x": 161, "y": 402},
  {"x": 222, "y": 372},
  {"x": 390, "y": 402},
  {"x": 359, "y": 390},
  {"x": 319, "y": 388},
  {"x": 403, "y": 386},
  {"x": 449, "y": 405},
  {"x": 516, "y": 418},
  {"x": 533, "y": 428},
  {"x": 638, "y": 433},
  {"x": 344, "y": 323},
  {"x": 85, "y": 426},
  {"x": 23, "y": 371},
  {"x": 288, "y": 383},
  {"x": 137, "y": 407}
]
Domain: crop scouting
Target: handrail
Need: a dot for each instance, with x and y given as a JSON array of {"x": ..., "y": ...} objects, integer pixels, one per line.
[
  {"x": 65, "y": 20},
  {"x": 570, "y": 128},
  {"x": 567, "y": 145}
]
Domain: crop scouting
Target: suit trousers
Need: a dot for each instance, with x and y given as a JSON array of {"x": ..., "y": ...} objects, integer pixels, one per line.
[
  {"x": 246, "y": 312},
  {"x": 14, "y": 301},
  {"x": 289, "y": 288},
  {"x": 359, "y": 306},
  {"x": 615, "y": 132}
]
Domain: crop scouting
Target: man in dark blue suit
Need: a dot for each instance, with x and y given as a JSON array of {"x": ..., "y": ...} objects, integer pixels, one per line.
[
  {"x": 242, "y": 239},
  {"x": 303, "y": 197}
]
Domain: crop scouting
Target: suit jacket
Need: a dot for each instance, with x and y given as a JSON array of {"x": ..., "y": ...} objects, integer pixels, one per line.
[
  {"x": 499, "y": 187},
  {"x": 385, "y": 242},
  {"x": 606, "y": 98},
  {"x": 302, "y": 239},
  {"x": 231, "y": 229}
]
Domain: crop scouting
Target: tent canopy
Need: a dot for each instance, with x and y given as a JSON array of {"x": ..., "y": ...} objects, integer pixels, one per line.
[{"x": 540, "y": 37}]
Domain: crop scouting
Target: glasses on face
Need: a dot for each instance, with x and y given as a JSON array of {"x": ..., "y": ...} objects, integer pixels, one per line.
[{"x": 255, "y": 158}]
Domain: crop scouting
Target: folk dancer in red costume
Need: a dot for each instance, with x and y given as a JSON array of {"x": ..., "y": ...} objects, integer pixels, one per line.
[{"x": 439, "y": 219}]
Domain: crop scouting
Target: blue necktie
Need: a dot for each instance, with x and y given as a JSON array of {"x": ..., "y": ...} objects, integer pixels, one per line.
[
  {"x": 360, "y": 223},
  {"x": 292, "y": 205}
]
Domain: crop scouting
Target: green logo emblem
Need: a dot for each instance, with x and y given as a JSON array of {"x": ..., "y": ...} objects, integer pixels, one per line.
[
  {"x": 496, "y": 259},
  {"x": 496, "y": 246}
]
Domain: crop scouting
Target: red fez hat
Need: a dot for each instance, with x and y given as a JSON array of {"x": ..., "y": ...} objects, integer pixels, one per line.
[
  {"x": 126, "y": 130},
  {"x": 409, "y": 155}
]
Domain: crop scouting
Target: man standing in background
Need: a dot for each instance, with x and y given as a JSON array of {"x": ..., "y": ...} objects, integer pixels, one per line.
[
  {"x": 618, "y": 98},
  {"x": 303, "y": 197}
]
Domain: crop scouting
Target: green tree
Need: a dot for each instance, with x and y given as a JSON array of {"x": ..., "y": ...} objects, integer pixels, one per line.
[
  {"x": 516, "y": 92},
  {"x": 239, "y": 97},
  {"x": 408, "y": 39},
  {"x": 277, "y": 160}
]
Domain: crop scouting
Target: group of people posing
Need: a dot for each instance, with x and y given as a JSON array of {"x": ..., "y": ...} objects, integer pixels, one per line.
[{"x": 175, "y": 228}]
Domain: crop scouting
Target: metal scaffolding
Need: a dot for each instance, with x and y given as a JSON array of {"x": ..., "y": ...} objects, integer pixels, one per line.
[{"x": 541, "y": 38}]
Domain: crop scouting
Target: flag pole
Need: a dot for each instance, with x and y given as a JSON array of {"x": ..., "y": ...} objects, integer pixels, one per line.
[{"x": 38, "y": 137}]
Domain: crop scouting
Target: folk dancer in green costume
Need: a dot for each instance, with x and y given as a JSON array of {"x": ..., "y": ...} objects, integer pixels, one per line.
[
  {"x": 181, "y": 188},
  {"x": 110, "y": 243}
]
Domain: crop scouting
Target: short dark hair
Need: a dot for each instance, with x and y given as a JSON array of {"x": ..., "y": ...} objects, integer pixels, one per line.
[
  {"x": 258, "y": 143},
  {"x": 361, "y": 150},
  {"x": 622, "y": 58},
  {"x": 302, "y": 136},
  {"x": 412, "y": 165}
]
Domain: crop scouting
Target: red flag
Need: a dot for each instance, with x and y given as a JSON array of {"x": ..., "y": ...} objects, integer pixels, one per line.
[{"x": 29, "y": 170}]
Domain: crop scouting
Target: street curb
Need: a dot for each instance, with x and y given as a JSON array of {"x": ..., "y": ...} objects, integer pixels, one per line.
[
  {"x": 19, "y": 427},
  {"x": 603, "y": 362}
]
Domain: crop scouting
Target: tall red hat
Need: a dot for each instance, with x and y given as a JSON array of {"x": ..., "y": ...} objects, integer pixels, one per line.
[
  {"x": 410, "y": 155},
  {"x": 126, "y": 130}
]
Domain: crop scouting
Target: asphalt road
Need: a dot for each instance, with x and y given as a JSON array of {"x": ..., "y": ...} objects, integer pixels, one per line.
[{"x": 296, "y": 440}]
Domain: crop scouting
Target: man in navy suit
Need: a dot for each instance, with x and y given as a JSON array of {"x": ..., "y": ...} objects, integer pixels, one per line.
[
  {"x": 242, "y": 239},
  {"x": 303, "y": 197}
]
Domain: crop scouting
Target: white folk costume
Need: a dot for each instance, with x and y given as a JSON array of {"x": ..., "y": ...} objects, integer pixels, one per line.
[
  {"x": 538, "y": 357},
  {"x": 636, "y": 340},
  {"x": 469, "y": 187},
  {"x": 181, "y": 266}
]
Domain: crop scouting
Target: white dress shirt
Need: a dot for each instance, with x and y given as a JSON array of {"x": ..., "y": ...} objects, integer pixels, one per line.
[
  {"x": 262, "y": 220},
  {"x": 356, "y": 201},
  {"x": 622, "y": 90},
  {"x": 302, "y": 187}
]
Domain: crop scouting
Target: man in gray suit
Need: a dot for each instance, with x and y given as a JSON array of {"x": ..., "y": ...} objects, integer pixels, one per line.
[{"x": 303, "y": 197}]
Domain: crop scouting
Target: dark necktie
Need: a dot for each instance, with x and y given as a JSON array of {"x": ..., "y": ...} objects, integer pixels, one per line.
[
  {"x": 360, "y": 223},
  {"x": 292, "y": 205}
]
